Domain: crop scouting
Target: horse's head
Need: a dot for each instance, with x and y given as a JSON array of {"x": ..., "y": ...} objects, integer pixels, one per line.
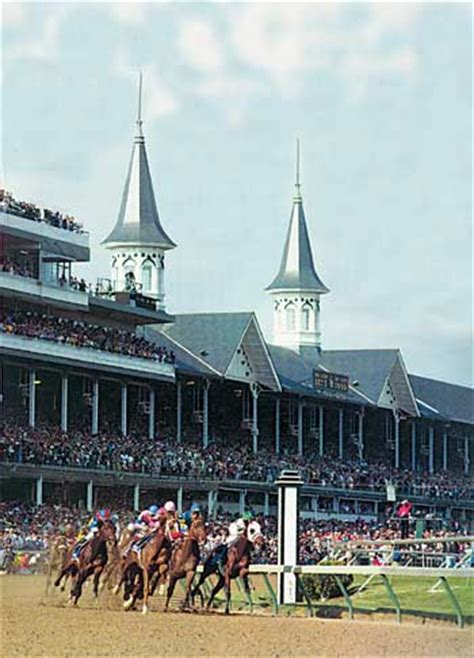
[
  {"x": 107, "y": 531},
  {"x": 198, "y": 529}
]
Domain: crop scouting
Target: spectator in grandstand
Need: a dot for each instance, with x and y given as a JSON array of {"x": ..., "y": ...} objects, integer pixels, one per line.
[
  {"x": 81, "y": 334},
  {"x": 29, "y": 211}
]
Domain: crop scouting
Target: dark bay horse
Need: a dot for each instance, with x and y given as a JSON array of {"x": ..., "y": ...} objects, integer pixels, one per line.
[
  {"x": 185, "y": 559},
  {"x": 139, "y": 566},
  {"x": 92, "y": 560},
  {"x": 237, "y": 565}
]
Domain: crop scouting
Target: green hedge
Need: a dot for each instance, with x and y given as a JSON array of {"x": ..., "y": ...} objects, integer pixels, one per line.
[{"x": 324, "y": 586}]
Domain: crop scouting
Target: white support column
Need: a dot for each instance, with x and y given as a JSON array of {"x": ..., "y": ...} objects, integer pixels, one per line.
[
  {"x": 431, "y": 449},
  {"x": 300, "y": 427},
  {"x": 136, "y": 498},
  {"x": 95, "y": 406},
  {"x": 32, "y": 398},
  {"x": 151, "y": 414},
  {"x": 341, "y": 434},
  {"x": 413, "y": 446},
  {"x": 466, "y": 455},
  {"x": 360, "y": 431},
  {"x": 397, "y": 439},
  {"x": 179, "y": 500},
  {"x": 179, "y": 410},
  {"x": 321, "y": 430},
  {"x": 288, "y": 511},
  {"x": 39, "y": 490},
  {"x": 255, "y": 392},
  {"x": 212, "y": 503},
  {"x": 205, "y": 411},
  {"x": 123, "y": 409},
  {"x": 90, "y": 496},
  {"x": 242, "y": 496},
  {"x": 277, "y": 425},
  {"x": 64, "y": 401},
  {"x": 445, "y": 450},
  {"x": 266, "y": 504}
]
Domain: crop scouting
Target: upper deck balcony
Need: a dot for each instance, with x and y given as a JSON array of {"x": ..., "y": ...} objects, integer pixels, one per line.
[{"x": 58, "y": 235}]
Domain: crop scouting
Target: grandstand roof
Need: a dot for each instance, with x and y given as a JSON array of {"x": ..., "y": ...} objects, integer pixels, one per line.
[
  {"x": 186, "y": 362},
  {"x": 296, "y": 375},
  {"x": 297, "y": 270},
  {"x": 368, "y": 367},
  {"x": 216, "y": 339},
  {"x": 138, "y": 222},
  {"x": 443, "y": 400}
]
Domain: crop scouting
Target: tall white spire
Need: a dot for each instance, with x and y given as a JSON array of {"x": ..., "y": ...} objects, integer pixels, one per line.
[
  {"x": 138, "y": 240},
  {"x": 297, "y": 287}
]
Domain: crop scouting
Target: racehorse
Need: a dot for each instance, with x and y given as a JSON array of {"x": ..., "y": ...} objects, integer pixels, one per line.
[
  {"x": 59, "y": 557},
  {"x": 139, "y": 566},
  {"x": 184, "y": 561},
  {"x": 91, "y": 560},
  {"x": 237, "y": 565}
]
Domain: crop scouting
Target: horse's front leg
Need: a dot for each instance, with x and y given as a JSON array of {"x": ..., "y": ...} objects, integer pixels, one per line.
[
  {"x": 98, "y": 570},
  {"x": 189, "y": 583},
  {"x": 217, "y": 588},
  {"x": 244, "y": 575},
  {"x": 227, "y": 591},
  {"x": 146, "y": 588},
  {"x": 171, "y": 586}
]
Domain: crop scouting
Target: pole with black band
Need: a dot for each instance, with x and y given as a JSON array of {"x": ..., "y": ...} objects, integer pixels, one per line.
[{"x": 289, "y": 484}]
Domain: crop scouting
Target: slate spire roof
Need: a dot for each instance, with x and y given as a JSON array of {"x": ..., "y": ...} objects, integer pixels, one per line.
[
  {"x": 297, "y": 270},
  {"x": 138, "y": 222}
]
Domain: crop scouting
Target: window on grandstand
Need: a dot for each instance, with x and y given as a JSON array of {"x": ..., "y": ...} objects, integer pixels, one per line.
[
  {"x": 306, "y": 317},
  {"x": 290, "y": 318},
  {"x": 147, "y": 278}
]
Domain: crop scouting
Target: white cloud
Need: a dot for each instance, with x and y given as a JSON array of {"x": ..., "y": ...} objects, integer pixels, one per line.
[
  {"x": 129, "y": 13},
  {"x": 13, "y": 14},
  {"x": 43, "y": 42},
  {"x": 199, "y": 44},
  {"x": 286, "y": 42},
  {"x": 159, "y": 98}
]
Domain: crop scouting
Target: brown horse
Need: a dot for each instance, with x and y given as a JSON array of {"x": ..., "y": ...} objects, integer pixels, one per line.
[
  {"x": 58, "y": 558},
  {"x": 237, "y": 565},
  {"x": 92, "y": 560},
  {"x": 185, "y": 559},
  {"x": 139, "y": 566}
]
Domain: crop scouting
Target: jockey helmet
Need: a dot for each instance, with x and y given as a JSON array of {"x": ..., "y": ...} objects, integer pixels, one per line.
[
  {"x": 247, "y": 516},
  {"x": 195, "y": 508},
  {"x": 162, "y": 511},
  {"x": 170, "y": 506},
  {"x": 153, "y": 509}
]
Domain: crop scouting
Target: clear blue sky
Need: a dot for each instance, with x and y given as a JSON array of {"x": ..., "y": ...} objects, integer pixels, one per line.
[{"x": 380, "y": 94}]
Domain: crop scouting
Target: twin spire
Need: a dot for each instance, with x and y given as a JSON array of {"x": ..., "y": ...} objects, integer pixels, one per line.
[
  {"x": 138, "y": 222},
  {"x": 297, "y": 271}
]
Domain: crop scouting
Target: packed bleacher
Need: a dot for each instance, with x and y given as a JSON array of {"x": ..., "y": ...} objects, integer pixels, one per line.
[
  {"x": 30, "y": 528},
  {"x": 81, "y": 334},
  {"x": 30, "y": 211},
  {"x": 10, "y": 266},
  {"x": 109, "y": 451}
]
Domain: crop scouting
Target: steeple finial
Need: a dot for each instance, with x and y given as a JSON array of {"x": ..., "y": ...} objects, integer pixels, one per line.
[
  {"x": 139, "y": 112},
  {"x": 297, "y": 195}
]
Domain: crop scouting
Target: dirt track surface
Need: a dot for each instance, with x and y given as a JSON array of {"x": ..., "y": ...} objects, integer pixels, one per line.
[{"x": 34, "y": 625}]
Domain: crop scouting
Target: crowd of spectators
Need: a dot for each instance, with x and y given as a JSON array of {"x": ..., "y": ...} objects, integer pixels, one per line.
[
  {"x": 11, "y": 266},
  {"x": 82, "y": 334},
  {"x": 30, "y": 211},
  {"x": 109, "y": 451},
  {"x": 32, "y": 528}
]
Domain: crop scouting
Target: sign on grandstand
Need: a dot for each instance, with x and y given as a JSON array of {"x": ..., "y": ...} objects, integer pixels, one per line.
[{"x": 330, "y": 382}]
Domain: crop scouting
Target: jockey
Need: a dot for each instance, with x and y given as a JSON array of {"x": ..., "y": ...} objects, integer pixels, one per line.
[
  {"x": 192, "y": 514},
  {"x": 93, "y": 526},
  {"x": 173, "y": 526}
]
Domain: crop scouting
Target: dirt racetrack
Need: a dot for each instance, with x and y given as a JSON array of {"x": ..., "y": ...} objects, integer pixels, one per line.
[{"x": 33, "y": 625}]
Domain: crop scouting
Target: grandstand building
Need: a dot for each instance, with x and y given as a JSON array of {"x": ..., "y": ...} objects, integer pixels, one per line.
[{"x": 99, "y": 380}]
